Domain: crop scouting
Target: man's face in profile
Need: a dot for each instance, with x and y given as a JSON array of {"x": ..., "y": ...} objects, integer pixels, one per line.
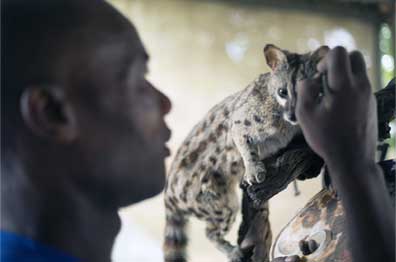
[
  {"x": 120, "y": 117},
  {"x": 79, "y": 108}
]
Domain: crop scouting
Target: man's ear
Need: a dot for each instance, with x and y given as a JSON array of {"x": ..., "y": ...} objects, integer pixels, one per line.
[
  {"x": 274, "y": 56},
  {"x": 319, "y": 53},
  {"x": 45, "y": 111}
]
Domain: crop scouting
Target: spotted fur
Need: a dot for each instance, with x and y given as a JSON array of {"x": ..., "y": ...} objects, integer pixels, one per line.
[{"x": 226, "y": 147}]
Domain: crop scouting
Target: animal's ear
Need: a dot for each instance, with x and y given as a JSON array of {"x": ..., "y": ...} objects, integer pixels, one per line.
[
  {"x": 47, "y": 114},
  {"x": 319, "y": 53},
  {"x": 274, "y": 56}
]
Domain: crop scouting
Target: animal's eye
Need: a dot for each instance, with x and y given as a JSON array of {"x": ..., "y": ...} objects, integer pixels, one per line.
[{"x": 282, "y": 92}]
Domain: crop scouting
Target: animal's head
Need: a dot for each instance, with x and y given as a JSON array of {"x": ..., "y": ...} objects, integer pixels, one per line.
[{"x": 287, "y": 68}]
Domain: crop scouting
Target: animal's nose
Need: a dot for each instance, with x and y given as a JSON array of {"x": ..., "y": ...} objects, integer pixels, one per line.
[{"x": 291, "y": 117}]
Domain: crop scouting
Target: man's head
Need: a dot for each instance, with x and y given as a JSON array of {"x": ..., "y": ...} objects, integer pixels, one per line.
[
  {"x": 76, "y": 106},
  {"x": 287, "y": 68}
]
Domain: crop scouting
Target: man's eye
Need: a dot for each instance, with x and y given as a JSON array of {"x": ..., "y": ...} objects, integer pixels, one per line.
[{"x": 282, "y": 92}]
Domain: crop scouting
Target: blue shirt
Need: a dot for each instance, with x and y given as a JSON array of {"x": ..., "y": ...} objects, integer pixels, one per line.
[{"x": 16, "y": 248}]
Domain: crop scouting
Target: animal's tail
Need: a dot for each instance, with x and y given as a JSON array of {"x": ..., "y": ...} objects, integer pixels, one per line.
[{"x": 175, "y": 238}]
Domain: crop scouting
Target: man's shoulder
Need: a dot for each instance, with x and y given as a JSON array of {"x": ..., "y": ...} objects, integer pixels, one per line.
[{"x": 17, "y": 248}]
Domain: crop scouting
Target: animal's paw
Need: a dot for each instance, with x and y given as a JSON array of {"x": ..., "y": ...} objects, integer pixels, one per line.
[
  {"x": 256, "y": 174},
  {"x": 236, "y": 255},
  {"x": 253, "y": 192}
]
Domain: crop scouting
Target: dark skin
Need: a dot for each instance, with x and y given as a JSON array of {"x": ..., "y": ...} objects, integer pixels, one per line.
[
  {"x": 341, "y": 128},
  {"x": 88, "y": 143}
]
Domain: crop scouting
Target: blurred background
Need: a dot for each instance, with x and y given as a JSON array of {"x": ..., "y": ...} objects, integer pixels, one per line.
[{"x": 202, "y": 51}]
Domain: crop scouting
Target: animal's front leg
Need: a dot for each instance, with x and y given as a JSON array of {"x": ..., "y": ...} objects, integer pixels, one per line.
[{"x": 255, "y": 171}]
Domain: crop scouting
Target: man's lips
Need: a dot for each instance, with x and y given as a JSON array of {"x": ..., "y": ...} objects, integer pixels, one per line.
[
  {"x": 168, "y": 135},
  {"x": 167, "y": 151}
]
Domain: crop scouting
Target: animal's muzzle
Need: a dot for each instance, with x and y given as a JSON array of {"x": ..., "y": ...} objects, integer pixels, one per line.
[{"x": 290, "y": 117}]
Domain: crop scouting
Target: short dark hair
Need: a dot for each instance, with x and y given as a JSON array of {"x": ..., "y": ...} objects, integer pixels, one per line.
[{"x": 30, "y": 34}]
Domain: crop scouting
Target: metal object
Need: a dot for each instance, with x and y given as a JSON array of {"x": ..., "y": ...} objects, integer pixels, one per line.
[
  {"x": 297, "y": 191},
  {"x": 322, "y": 220}
]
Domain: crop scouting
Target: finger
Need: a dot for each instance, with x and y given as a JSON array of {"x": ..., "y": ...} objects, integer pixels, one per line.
[
  {"x": 339, "y": 70},
  {"x": 359, "y": 71},
  {"x": 358, "y": 64},
  {"x": 308, "y": 91},
  {"x": 322, "y": 65},
  {"x": 325, "y": 84}
]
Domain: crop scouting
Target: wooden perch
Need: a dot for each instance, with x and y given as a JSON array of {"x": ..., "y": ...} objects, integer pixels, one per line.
[{"x": 296, "y": 161}]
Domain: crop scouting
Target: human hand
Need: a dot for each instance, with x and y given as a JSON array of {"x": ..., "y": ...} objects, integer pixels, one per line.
[{"x": 340, "y": 126}]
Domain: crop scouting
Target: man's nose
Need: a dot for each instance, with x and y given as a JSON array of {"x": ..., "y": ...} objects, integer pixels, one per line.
[{"x": 166, "y": 104}]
